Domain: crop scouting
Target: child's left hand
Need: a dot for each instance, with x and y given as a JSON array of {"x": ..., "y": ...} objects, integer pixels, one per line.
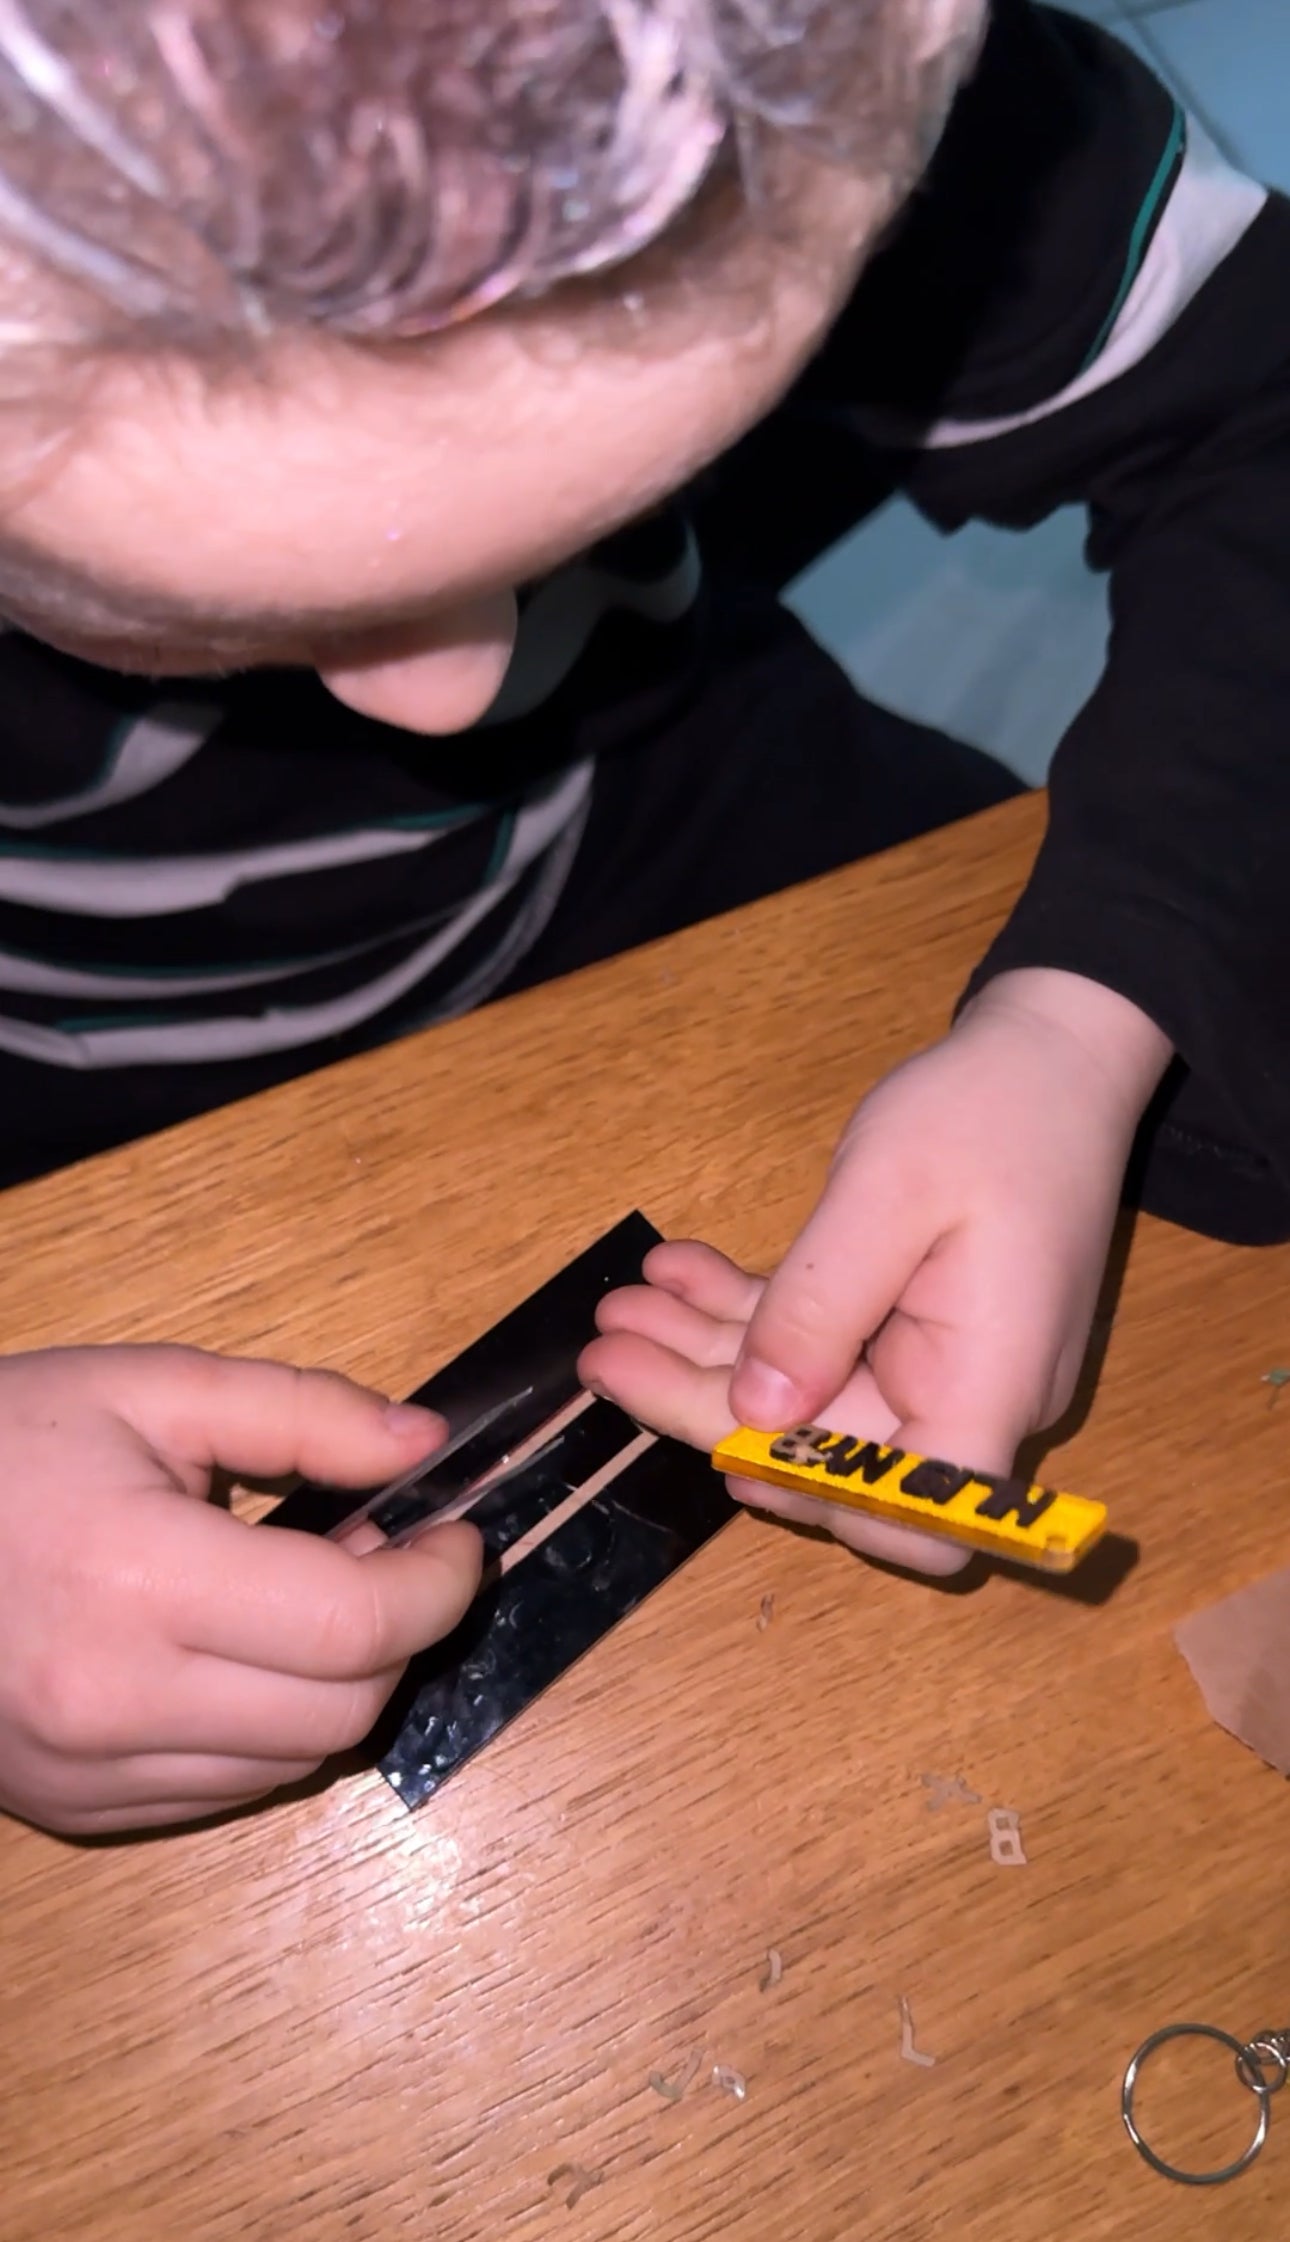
[{"x": 666, "y": 1353}]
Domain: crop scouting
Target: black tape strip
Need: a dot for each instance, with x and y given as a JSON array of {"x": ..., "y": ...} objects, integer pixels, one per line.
[
  {"x": 536, "y": 1345},
  {"x": 582, "y": 1449},
  {"x": 531, "y": 1625},
  {"x": 557, "y": 1604}
]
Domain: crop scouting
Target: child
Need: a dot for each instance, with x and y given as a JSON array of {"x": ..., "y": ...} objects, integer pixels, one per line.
[{"x": 324, "y": 332}]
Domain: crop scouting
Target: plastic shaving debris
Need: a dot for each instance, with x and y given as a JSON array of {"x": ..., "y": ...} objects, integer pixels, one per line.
[
  {"x": 774, "y": 1969},
  {"x": 730, "y": 2081},
  {"x": 673, "y": 2089},
  {"x": 908, "y": 2050},
  {"x": 581, "y": 2178}
]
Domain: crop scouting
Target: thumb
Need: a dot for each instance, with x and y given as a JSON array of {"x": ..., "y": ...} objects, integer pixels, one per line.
[
  {"x": 267, "y": 1419},
  {"x": 837, "y": 1283}
]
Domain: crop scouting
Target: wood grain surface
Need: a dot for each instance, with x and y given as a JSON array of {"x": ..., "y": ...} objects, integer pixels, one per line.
[{"x": 333, "y": 2020}]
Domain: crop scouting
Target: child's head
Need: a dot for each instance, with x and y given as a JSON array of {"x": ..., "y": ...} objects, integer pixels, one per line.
[{"x": 325, "y": 322}]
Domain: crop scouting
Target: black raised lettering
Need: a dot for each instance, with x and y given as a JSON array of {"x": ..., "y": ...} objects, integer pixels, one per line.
[
  {"x": 838, "y": 1453},
  {"x": 1012, "y": 1498},
  {"x": 867, "y": 1459},
  {"x": 801, "y": 1446},
  {"x": 935, "y": 1482}
]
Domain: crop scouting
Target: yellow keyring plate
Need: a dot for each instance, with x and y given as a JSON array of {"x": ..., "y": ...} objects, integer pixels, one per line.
[{"x": 1006, "y": 1517}]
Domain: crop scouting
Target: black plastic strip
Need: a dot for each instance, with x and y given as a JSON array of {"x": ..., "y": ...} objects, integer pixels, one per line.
[
  {"x": 532, "y": 1625},
  {"x": 536, "y": 1345},
  {"x": 529, "y": 1625}
]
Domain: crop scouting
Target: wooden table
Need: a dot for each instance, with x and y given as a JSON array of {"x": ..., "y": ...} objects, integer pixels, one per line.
[{"x": 332, "y": 2020}]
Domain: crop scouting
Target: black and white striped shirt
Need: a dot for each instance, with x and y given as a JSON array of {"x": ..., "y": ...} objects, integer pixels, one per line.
[{"x": 1085, "y": 303}]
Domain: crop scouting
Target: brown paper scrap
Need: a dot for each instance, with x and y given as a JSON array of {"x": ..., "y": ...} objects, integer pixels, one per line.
[{"x": 1239, "y": 1655}]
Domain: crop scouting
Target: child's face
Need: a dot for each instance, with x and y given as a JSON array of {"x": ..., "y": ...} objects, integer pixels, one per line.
[{"x": 368, "y": 515}]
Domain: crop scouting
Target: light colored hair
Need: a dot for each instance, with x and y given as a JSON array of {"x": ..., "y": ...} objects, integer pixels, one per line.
[{"x": 194, "y": 170}]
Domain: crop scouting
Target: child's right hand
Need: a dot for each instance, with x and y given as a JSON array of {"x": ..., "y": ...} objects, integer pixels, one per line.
[
  {"x": 160, "y": 1660},
  {"x": 940, "y": 1295}
]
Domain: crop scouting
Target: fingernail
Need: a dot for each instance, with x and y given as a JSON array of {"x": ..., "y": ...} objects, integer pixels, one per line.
[
  {"x": 767, "y": 1399},
  {"x": 433, "y": 1526},
  {"x": 405, "y": 1418}
]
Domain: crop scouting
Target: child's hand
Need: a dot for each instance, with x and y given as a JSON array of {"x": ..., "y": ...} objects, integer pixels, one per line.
[
  {"x": 160, "y": 1660},
  {"x": 940, "y": 1296},
  {"x": 666, "y": 1354}
]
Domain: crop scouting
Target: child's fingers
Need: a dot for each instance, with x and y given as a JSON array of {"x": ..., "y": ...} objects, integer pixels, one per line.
[
  {"x": 126, "y": 1821},
  {"x": 839, "y": 1280},
  {"x": 860, "y": 1409},
  {"x": 664, "y": 1390},
  {"x": 292, "y": 1604},
  {"x": 966, "y": 1395},
  {"x": 264, "y": 1418},
  {"x": 158, "y": 1792},
  {"x": 177, "y": 1785},
  {"x": 869, "y": 1537},
  {"x": 223, "y": 1778},
  {"x": 671, "y": 1323},
  {"x": 689, "y": 1400},
  {"x": 216, "y": 1708},
  {"x": 668, "y": 1390},
  {"x": 361, "y": 1539},
  {"x": 705, "y": 1278}
]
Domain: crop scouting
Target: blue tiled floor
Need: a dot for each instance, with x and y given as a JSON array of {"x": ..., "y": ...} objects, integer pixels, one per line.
[{"x": 996, "y": 638}]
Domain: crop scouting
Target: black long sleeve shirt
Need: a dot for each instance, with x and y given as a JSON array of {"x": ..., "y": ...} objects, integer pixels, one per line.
[{"x": 1083, "y": 303}]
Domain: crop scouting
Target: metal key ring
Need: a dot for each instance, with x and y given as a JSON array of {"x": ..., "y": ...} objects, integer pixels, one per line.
[
  {"x": 1239, "y": 2048},
  {"x": 1265, "y": 2049}
]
